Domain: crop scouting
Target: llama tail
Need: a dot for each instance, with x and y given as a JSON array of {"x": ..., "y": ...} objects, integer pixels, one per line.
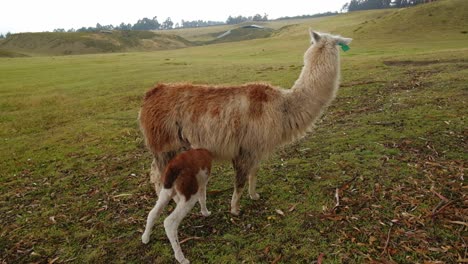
[{"x": 170, "y": 176}]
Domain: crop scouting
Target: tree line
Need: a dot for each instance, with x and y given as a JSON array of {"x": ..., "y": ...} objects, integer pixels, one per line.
[
  {"x": 5, "y": 36},
  {"x": 355, "y": 5},
  {"x": 309, "y": 16},
  {"x": 154, "y": 24}
]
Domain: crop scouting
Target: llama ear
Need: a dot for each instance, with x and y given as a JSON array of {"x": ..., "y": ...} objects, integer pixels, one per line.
[
  {"x": 345, "y": 41},
  {"x": 314, "y": 36}
]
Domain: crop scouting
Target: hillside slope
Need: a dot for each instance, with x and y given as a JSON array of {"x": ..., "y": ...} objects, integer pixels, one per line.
[
  {"x": 91, "y": 42},
  {"x": 445, "y": 16},
  {"x": 241, "y": 33},
  {"x": 431, "y": 22}
]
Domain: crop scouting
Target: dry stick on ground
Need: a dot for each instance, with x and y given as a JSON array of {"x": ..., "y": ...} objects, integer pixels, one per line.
[
  {"x": 440, "y": 196},
  {"x": 378, "y": 123},
  {"x": 385, "y": 250},
  {"x": 342, "y": 188},
  {"x": 218, "y": 191},
  {"x": 346, "y": 184},
  {"x": 337, "y": 198},
  {"x": 438, "y": 210},
  {"x": 189, "y": 238}
]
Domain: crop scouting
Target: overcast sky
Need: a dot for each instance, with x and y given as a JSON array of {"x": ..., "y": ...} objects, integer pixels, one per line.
[{"x": 46, "y": 15}]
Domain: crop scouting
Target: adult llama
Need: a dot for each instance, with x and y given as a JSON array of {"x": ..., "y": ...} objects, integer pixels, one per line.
[{"x": 240, "y": 123}]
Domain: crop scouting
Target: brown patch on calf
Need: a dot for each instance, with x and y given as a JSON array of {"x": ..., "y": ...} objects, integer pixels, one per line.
[
  {"x": 182, "y": 170},
  {"x": 187, "y": 184}
]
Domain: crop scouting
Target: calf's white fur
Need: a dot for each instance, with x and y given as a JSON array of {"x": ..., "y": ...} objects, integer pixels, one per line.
[{"x": 184, "y": 179}]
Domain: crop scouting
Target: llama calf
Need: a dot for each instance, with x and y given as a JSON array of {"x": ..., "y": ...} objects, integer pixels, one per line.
[
  {"x": 244, "y": 123},
  {"x": 184, "y": 179}
]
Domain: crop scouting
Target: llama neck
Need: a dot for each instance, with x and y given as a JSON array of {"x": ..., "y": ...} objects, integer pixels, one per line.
[{"x": 313, "y": 90}]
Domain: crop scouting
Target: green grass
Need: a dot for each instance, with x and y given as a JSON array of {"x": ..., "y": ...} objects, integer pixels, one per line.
[{"x": 74, "y": 170}]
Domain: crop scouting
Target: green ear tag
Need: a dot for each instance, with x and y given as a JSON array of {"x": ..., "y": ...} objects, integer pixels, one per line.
[{"x": 344, "y": 47}]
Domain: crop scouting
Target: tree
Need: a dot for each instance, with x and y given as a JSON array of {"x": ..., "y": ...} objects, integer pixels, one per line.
[
  {"x": 257, "y": 17},
  {"x": 345, "y": 7},
  {"x": 168, "y": 24},
  {"x": 124, "y": 26},
  {"x": 2, "y": 36},
  {"x": 147, "y": 24},
  {"x": 355, "y": 5},
  {"x": 236, "y": 20}
]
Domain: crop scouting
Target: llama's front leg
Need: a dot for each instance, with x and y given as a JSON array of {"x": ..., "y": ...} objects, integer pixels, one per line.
[
  {"x": 235, "y": 201},
  {"x": 253, "y": 185},
  {"x": 171, "y": 223},
  {"x": 244, "y": 164}
]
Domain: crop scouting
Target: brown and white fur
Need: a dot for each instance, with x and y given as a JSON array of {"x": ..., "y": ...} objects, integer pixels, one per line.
[
  {"x": 184, "y": 179},
  {"x": 240, "y": 123}
]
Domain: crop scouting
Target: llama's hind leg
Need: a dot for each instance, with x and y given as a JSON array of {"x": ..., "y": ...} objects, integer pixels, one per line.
[
  {"x": 163, "y": 200},
  {"x": 202, "y": 200},
  {"x": 155, "y": 176},
  {"x": 160, "y": 160},
  {"x": 171, "y": 223}
]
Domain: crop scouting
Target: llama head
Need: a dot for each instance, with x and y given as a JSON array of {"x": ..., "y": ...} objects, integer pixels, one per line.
[{"x": 317, "y": 38}]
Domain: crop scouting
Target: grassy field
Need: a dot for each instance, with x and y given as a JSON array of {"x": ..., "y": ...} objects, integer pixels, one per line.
[{"x": 74, "y": 184}]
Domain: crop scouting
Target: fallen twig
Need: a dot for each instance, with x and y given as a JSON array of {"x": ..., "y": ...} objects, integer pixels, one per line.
[
  {"x": 218, "y": 191},
  {"x": 440, "y": 196},
  {"x": 459, "y": 223},
  {"x": 438, "y": 211},
  {"x": 337, "y": 198},
  {"x": 346, "y": 184},
  {"x": 383, "y": 123},
  {"x": 387, "y": 241},
  {"x": 189, "y": 238},
  {"x": 122, "y": 195}
]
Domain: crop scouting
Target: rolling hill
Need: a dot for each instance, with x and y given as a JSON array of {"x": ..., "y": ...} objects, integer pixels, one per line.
[
  {"x": 442, "y": 18},
  {"x": 91, "y": 42}
]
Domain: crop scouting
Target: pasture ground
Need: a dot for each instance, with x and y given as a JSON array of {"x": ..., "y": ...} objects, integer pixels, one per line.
[{"x": 74, "y": 169}]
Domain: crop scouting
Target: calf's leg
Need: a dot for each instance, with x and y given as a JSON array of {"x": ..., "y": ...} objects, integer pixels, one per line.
[
  {"x": 163, "y": 200},
  {"x": 171, "y": 223}
]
